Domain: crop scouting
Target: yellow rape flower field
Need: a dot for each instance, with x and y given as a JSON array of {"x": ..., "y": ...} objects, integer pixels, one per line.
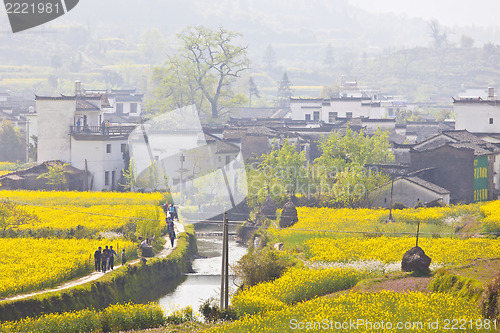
[
  {"x": 82, "y": 199},
  {"x": 370, "y": 312},
  {"x": 443, "y": 251},
  {"x": 101, "y": 211},
  {"x": 33, "y": 264},
  {"x": 28, "y": 264},
  {"x": 98, "y": 217},
  {"x": 338, "y": 236}
]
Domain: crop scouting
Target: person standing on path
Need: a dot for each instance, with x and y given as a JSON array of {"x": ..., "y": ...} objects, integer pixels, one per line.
[
  {"x": 97, "y": 259},
  {"x": 171, "y": 231},
  {"x": 104, "y": 259},
  {"x": 124, "y": 259},
  {"x": 112, "y": 254}
]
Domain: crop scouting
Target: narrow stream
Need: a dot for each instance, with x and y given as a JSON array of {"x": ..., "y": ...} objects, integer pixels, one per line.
[{"x": 205, "y": 282}]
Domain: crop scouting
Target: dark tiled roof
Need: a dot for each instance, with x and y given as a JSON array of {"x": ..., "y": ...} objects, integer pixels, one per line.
[
  {"x": 245, "y": 113},
  {"x": 368, "y": 120},
  {"x": 129, "y": 98},
  {"x": 476, "y": 101},
  {"x": 459, "y": 139},
  {"x": 84, "y": 105},
  {"x": 55, "y": 98},
  {"x": 226, "y": 148},
  {"x": 123, "y": 91},
  {"x": 428, "y": 185}
]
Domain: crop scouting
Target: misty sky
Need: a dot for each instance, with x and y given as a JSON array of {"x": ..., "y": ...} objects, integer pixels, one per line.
[{"x": 447, "y": 12}]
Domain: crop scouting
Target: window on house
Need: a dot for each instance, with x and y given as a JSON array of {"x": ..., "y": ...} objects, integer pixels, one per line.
[
  {"x": 123, "y": 147},
  {"x": 348, "y": 114},
  {"x": 220, "y": 159},
  {"x": 308, "y": 117},
  {"x": 106, "y": 178},
  {"x": 119, "y": 107},
  {"x": 332, "y": 116},
  {"x": 228, "y": 159},
  {"x": 108, "y": 148},
  {"x": 113, "y": 177},
  {"x": 491, "y": 120},
  {"x": 316, "y": 115},
  {"x": 133, "y": 107},
  {"x": 390, "y": 112}
]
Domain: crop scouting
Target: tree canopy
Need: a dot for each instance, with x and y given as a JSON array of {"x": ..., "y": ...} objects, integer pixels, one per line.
[
  {"x": 202, "y": 72},
  {"x": 280, "y": 174},
  {"x": 12, "y": 147},
  {"x": 342, "y": 166},
  {"x": 56, "y": 175}
]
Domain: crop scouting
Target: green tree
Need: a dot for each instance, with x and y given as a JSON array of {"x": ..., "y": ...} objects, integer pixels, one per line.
[
  {"x": 203, "y": 71},
  {"x": 341, "y": 166},
  {"x": 55, "y": 175},
  {"x": 437, "y": 34},
  {"x": 252, "y": 90},
  {"x": 466, "y": 42},
  {"x": 269, "y": 58},
  {"x": 12, "y": 146},
  {"x": 280, "y": 174},
  {"x": 153, "y": 47},
  {"x": 128, "y": 176},
  {"x": 285, "y": 91},
  {"x": 329, "y": 59},
  {"x": 13, "y": 215}
]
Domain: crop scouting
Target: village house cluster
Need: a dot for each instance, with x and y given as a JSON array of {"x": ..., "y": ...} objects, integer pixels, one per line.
[{"x": 452, "y": 161}]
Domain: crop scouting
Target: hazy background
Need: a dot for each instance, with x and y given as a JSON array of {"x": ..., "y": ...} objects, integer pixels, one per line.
[{"x": 384, "y": 44}]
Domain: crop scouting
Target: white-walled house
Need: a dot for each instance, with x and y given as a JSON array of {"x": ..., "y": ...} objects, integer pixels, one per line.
[
  {"x": 71, "y": 129},
  {"x": 125, "y": 102},
  {"x": 477, "y": 114},
  {"x": 327, "y": 110},
  {"x": 408, "y": 190}
]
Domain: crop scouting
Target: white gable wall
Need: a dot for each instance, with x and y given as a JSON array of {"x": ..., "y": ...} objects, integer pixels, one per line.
[
  {"x": 405, "y": 192},
  {"x": 475, "y": 117},
  {"x": 54, "y": 120}
]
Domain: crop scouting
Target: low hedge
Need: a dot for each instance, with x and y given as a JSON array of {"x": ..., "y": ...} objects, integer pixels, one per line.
[{"x": 140, "y": 282}]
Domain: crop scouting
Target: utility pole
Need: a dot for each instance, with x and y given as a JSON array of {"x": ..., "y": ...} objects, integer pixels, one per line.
[
  {"x": 27, "y": 140},
  {"x": 86, "y": 177},
  {"x": 418, "y": 231},
  {"x": 390, "y": 219},
  {"x": 182, "y": 159},
  {"x": 224, "y": 281}
]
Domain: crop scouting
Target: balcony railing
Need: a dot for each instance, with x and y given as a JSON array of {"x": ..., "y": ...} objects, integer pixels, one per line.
[{"x": 101, "y": 130}]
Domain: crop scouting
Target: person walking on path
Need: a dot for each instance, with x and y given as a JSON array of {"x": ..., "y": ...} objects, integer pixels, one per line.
[
  {"x": 97, "y": 259},
  {"x": 165, "y": 209},
  {"x": 173, "y": 212},
  {"x": 124, "y": 259},
  {"x": 112, "y": 254},
  {"x": 104, "y": 259},
  {"x": 171, "y": 231}
]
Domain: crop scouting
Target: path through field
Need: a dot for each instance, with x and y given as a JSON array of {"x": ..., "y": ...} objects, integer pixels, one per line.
[{"x": 96, "y": 275}]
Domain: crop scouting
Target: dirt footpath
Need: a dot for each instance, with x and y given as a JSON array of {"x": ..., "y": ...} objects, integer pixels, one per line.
[{"x": 167, "y": 249}]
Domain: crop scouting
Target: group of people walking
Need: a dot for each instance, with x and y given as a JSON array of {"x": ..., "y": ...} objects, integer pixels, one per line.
[
  {"x": 104, "y": 259},
  {"x": 171, "y": 214}
]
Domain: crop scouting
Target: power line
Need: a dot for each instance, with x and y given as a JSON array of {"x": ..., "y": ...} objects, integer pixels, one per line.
[{"x": 239, "y": 223}]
